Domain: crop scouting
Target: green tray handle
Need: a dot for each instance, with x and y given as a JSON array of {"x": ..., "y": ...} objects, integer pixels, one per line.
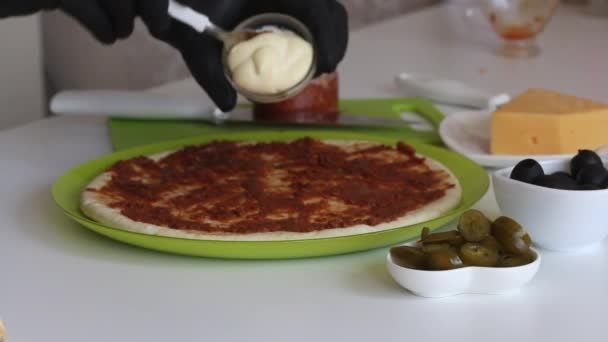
[
  {"x": 392, "y": 108},
  {"x": 389, "y": 108}
]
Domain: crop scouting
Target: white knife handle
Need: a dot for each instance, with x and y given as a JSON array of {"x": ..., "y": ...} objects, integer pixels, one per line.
[
  {"x": 449, "y": 92},
  {"x": 188, "y": 16},
  {"x": 131, "y": 104}
]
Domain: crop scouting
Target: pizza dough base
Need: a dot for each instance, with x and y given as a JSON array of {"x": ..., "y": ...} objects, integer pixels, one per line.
[{"x": 93, "y": 206}]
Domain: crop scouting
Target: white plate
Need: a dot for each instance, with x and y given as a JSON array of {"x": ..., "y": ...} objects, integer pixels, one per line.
[{"x": 468, "y": 133}]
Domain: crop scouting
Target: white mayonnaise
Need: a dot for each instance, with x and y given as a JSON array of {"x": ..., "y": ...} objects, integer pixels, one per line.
[{"x": 270, "y": 62}]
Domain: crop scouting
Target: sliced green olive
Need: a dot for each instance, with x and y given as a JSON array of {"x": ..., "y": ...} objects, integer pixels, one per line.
[
  {"x": 445, "y": 260},
  {"x": 451, "y": 237},
  {"x": 457, "y": 241},
  {"x": 410, "y": 257},
  {"x": 476, "y": 254},
  {"x": 491, "y": 242},
  {"x": 510, "y": 260},
  {"x": 511, "y": 236},
  {"x": 435, "y": 247},
  {"x": 474, "y": 226},
  {"x": 425, "y": 232},
  {"x": 477, "y": 242}
]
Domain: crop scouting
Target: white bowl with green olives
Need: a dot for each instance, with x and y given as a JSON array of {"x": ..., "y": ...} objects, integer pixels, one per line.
[
  {"x": 481, "y": 257},
  {"x": 562, "y": 203}
]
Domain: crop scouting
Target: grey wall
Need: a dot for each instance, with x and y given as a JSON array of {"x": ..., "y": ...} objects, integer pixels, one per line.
[
  {"x": 364, "y": 12},
  {"x": 21, "y": 91},
  {"x": 74, "y": 60}
]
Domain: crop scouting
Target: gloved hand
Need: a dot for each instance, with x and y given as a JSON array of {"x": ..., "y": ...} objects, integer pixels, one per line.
[
  {"x": 110, "y": 20},
  {"x": 327, "y": 20},
  {"x": 107, "y": 20}
]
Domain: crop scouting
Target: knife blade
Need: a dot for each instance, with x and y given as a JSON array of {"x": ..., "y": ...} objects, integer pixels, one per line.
[
  {"x": 150, "y": 106},
  {"x": 450, "y": 92},
  {"x": 315, "y": 118}
]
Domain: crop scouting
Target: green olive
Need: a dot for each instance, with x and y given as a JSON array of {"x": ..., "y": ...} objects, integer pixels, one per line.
[
  {"x": 474, "y": 226},
  {"x": 435, "y": 247},
  {"x": 410, "y": 257},
  {"x": 510, "y": 260},
  {"x": 476, "y": 254},
  {"x": 425, "y": 232},
  {"x": 511, "y": 236},
  {"x": 457, "y": 241},
  {"x": 491, "y": 242},
  {"x": 446, "y": 259},
  {"x": 452, "y": 237}
]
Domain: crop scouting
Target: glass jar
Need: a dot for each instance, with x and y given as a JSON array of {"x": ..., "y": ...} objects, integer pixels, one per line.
[{"x": 316, "y": 103}]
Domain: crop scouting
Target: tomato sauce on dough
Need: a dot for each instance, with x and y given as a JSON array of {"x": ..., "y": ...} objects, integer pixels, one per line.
[{"x": 299, "y": 186}]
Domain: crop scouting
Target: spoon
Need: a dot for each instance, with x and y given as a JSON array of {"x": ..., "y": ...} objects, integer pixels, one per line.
[{"x": 202, "y": 24}]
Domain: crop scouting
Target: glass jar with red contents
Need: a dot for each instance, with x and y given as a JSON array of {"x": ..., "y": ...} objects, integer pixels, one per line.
[{"x": 316, "y": 103}]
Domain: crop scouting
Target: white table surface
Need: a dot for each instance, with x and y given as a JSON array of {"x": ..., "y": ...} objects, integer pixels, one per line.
[{"x": 60, "y": 282}]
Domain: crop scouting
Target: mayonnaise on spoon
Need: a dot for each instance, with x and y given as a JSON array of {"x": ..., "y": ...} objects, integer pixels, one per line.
[
  {"x": 265, "y": 67},
  {"x": 270, "y": 62}
]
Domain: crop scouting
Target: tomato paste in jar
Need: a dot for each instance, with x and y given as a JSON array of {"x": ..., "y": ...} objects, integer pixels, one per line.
[{"x": 316, "y": 103}]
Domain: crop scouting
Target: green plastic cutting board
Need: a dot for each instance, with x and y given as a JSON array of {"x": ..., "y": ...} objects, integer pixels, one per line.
[
  {"x": 66, "y": 191},
  {"x": 130, "y": 133}
]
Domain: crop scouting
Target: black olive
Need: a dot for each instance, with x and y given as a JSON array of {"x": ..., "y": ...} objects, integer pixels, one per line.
[
  {"x": 556, "y": 182},
  {"x": 588, "y": 187},
  {"x": 562, "y": 174},
  {"x": 527, "y": 171},
  {"x": 564, "y": 177},
  {"x": 582, "y": 159},
  {"x": 592, "y": 174}
]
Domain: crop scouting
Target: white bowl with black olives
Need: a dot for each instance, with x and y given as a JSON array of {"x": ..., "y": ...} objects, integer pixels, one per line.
[{"x": 562, "y": 203}]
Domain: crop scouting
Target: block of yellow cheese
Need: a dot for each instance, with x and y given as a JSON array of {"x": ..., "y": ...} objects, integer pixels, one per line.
[{"x": 541, "y": 121}]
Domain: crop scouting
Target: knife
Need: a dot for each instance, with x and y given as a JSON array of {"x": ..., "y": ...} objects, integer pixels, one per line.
[
  {"x": 151, "y": 106},
  {"x": 450, "y": 92}
]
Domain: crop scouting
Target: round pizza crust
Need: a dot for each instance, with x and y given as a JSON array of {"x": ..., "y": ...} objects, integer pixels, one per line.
[{"x": 93, "y": 205}]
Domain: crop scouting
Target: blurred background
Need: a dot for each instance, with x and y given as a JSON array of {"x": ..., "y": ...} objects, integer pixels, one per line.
[{"x": 46, "y": 53}]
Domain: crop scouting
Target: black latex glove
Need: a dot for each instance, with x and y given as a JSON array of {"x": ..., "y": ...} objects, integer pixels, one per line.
[
  {"x": 107, "y": 20},
  {"x": 110, "y": 20},
  {"x": 327, "y": 20}
]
